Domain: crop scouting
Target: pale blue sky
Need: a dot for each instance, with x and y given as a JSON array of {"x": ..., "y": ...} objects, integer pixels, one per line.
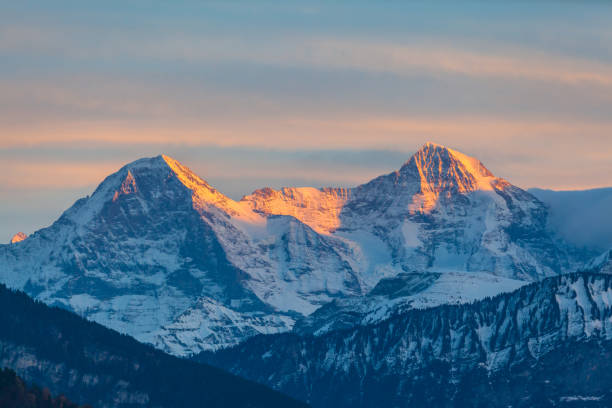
[{"x": 261, "y": 93}]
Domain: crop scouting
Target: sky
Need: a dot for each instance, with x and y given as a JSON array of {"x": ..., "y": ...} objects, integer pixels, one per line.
[{"x": 297, "y": 93}]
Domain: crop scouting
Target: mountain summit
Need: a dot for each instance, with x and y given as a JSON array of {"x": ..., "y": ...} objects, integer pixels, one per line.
[
  {"x": 433, "y": 175},
  {"x": 158, "y": 253},
  {"x": 144, "y": 185},
  {"x": 441, "y": 168},
  {"x": 18, "y": 237}
]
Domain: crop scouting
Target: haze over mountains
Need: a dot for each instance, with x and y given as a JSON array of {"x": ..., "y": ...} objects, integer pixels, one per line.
[
  {"x": 580, "y": 217},
  {"x": 157, "y": 253}
]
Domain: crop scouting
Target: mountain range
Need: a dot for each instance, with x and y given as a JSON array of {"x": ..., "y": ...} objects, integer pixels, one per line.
[
  {"x": 159, "y": 254},
  {"x": 412, "y": 288}
]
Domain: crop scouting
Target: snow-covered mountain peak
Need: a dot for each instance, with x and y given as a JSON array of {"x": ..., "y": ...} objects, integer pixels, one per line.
[
  {"x": 158, "y": 169},
  {"x": 18, "y": 237},
  {"x": 440, "y": 171},
  {"x": 153, "y": 182},
  {"x": 442, "y": 168}
]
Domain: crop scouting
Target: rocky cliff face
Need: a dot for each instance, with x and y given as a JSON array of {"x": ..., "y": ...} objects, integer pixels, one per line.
[
  {"x": 511, "y": 348},
  {"x": 157, "y": 253}
]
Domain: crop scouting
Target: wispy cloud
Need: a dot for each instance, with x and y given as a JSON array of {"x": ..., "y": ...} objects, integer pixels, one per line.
[
  {"x": 48, "y": 174},
  {"x": 429, "y": 55},
  {"x": 441, "y": 58},
  {"x": 308, "y": 133}
]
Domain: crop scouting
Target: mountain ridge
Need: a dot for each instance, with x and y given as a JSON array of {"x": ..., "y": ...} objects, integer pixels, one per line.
[{"x": 158, "y": 253}]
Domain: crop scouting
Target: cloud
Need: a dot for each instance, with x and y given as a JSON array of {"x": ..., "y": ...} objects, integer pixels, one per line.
[
  {"x": 426, "y": 57},
  {"x": 538, "y": 154},
  {"x": 422, "y": 54},
  {"x": 308, "y": 133},
  {"x": 49, "y": 174},
  {"x": 432, "y": 58}
]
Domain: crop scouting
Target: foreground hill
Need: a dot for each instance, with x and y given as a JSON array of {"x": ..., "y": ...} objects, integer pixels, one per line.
[
  {"x": 546, "y": 344},
  {"x": 159, "y": 254},
  {"x": 59, "y": 350}
]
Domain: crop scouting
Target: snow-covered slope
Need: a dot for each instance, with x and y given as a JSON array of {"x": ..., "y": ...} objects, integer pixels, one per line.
[
  {"x": 318, "y": 208},
  {"x": 157, "y": 253},
  {"x": 448, "y": 355},
  {"x": 401, "y": 293}
]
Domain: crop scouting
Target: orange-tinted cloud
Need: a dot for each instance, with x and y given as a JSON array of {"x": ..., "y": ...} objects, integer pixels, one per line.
[
  {"x": 296, "y": 133},
  {"x": 407, "y": 59},
  {"x": 50, "y": 174}
]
